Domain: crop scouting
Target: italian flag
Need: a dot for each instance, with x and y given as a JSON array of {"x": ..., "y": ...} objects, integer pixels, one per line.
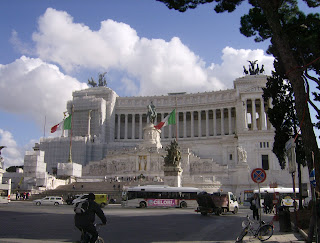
[
  {"x": 168, "y": 120},
  {"x": 65, "y": 124},
  {"x": 56, "y": 127}
]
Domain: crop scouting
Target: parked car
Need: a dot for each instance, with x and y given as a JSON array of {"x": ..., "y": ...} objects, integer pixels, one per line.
[
  {"x": 50, "y": 200},
  {"x": 101, "y": 199}
]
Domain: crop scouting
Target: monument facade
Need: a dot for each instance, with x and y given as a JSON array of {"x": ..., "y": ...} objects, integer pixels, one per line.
[{"x": 222, "y": 135}]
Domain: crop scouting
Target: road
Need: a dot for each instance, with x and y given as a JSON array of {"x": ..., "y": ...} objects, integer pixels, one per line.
[{"x": 26, "y": 222}]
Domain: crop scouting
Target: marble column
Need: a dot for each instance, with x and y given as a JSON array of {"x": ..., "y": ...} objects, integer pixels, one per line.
[
  {"x": 245, "y": 104},
  {"x": 229, "y": 119},
  {"x": 192, "y": 124},
  {"x": 214, "y": 119},
  {"x": 262, "y": 115},
  {"x": 199, "y": 125},
  {"x": 184, "y": 124},
  {"x": 140, "y": 126},
  {"x": 133, "y": 126},
  {"x": 254, "y": 117},
  {"x": 222, "y": 121},
  {"x": 177, "y": 126},
  {"x": 126, "y": 126},
  {"x": 207, "y": 123},
  {"x": 119, "y": 125}
]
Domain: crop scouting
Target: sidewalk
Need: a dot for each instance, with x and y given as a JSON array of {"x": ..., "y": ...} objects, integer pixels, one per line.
[{"x": 280, "y": 236}]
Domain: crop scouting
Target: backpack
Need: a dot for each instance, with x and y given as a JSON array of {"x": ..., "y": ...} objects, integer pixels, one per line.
[{"x": 81, "y": 207}]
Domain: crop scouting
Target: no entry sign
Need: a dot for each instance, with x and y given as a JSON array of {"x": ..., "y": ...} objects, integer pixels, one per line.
[{"x": 258, "y": 175}]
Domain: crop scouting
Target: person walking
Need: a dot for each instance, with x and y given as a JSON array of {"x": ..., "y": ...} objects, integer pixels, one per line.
[
  {"x": 268, "y": 204},
  {"x": 255, "y": 205}
]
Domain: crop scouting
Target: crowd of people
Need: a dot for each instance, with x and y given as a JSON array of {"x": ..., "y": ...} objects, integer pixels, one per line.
[{"x": 22, "y": 195}]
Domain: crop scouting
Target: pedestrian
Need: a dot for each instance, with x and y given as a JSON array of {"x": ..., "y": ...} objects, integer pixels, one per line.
[
  {"x": 73, "y": 187},
  {"x": 255, "y": 205},
  {"x": 114, "y": 187},
  {"x": 268, "y": 204}
]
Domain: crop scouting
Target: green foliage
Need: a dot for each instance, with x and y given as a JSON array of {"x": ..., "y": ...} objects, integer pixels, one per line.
[
  {"x": 282, "y": 115},
  {"x": 13, "y": 168},
  {"x": 184, "y": 5}
]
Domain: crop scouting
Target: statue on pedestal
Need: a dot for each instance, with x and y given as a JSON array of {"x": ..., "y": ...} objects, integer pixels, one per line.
[
  {"x": 152, "y": 113},
  {"x": 174, "y": 155}
]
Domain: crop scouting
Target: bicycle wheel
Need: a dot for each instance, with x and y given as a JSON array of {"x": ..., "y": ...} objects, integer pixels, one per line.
[
  {"x": 99, "y": 240},
  {"x": 265, "y": 232},
  {"x": 242, "y": 234}
]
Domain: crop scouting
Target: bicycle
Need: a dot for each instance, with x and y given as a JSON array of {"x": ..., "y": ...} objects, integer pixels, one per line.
[
  {"x": 85, "y": 236},
  {"x": 263, "y": 232}
]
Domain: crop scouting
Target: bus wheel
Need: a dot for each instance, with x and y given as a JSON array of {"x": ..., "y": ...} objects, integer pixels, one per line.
[
  {"x": 218, "y": 211},
  {"x": 102, "y": 205},
  {"x": 142, "y": 204},
  {"x": 183, "y": 205}
]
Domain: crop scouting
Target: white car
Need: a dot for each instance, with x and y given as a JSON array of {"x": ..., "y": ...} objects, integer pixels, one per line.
[{"x": 50, "y": 200}]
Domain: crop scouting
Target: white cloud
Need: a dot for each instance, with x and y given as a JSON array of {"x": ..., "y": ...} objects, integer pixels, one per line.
[
  {"x": 34, "y": 89},
  {"x": 12, "y": 154},
  {"x": 233, "y": 61},
  {"x": 160, "y": 66}
]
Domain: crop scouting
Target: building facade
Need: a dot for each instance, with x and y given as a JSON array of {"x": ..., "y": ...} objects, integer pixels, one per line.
[{"x": 223, "y": 136}]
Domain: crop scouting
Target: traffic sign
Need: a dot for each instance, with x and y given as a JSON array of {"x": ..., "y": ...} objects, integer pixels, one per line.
[
  {"x": 312, "y": 178},
  {"x": 258, "y": 175}
]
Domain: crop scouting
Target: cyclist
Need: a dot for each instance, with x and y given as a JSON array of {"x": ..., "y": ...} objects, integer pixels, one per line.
[{"x": 85, "y": 222}]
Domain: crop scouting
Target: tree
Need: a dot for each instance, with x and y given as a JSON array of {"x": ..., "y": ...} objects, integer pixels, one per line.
[{"x": 265, "y": 21}]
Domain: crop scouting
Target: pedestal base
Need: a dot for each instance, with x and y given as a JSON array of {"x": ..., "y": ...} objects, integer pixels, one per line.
[
  {"x": 172, "y": 176},
  {"x": 65, "y": 170}
]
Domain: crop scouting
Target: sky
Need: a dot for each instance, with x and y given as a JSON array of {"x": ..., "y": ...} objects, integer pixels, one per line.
[{"x": 50, "y": 48}]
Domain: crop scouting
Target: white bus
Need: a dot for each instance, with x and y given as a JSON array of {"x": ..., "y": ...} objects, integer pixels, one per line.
[
  {"x": 286, "y": 195},
  {"x": 159, "y": 196}
]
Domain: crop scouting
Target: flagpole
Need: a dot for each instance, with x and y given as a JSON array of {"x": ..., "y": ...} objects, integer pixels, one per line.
[
  {"x": 44, "y": 128},
  {"x": 70, "y": 150},
  {"x": 176, "y": 121}
]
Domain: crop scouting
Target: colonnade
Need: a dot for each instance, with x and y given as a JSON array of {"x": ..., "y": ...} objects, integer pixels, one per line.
[
  {"x": 189, "y": 124},
  {"x": 255, "y": 114}
]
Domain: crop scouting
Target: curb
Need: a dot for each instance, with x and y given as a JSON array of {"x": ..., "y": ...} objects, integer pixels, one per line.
[{"x": 301, "y": 231}]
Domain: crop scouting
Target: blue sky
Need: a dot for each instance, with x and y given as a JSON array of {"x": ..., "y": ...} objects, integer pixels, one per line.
[{"x": 49, "y": 48}]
